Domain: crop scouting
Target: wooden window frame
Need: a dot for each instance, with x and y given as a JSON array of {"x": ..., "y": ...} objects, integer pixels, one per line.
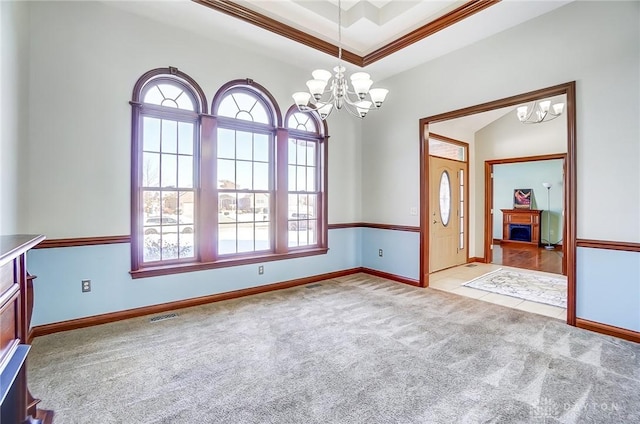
[{"x": 206, "y": 190}]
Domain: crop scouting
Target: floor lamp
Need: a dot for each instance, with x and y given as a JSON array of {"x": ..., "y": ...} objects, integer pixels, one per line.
[{"x": 548, "y": 187}]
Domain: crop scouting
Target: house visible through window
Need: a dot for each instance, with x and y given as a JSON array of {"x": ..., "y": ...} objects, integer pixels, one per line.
[{"x": 229, "y": 188}]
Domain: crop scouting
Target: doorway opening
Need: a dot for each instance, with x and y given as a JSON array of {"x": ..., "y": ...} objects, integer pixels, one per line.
[
  {"x": 530, "y": 238},
  {"x": 569, "y": 198}
]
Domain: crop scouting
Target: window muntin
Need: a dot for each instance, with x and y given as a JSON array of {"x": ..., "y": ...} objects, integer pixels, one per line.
[
  {"x": 244, "y": 105},
  {"x": 169, "y": 93},
  {"x": 207, "y": 192}
]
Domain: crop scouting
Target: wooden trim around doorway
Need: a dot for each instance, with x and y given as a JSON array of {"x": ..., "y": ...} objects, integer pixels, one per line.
[{"x": 569, "y": 90}]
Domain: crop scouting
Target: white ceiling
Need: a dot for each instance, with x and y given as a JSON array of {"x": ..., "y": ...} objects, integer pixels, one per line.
[{"x": 367, "y": 25}]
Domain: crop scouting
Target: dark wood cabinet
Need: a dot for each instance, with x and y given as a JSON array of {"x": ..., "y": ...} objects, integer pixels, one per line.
[
  {"x": 16, "y": 302},
  {"x": 521, "y": 226}
]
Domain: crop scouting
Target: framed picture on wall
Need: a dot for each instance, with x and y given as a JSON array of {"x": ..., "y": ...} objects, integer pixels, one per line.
[{"x": 522, "y": 198}]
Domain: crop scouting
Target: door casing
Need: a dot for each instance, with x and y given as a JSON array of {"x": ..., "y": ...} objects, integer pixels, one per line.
[{"x": 569, "y": 90}]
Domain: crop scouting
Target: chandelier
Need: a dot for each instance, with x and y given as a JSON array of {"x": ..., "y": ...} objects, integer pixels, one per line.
[
  {"x": 326, "y": 93},
  {"x": 539, "y": 112}
]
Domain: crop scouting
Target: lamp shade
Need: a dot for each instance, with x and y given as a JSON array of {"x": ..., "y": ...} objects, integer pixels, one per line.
[
  {"x": 301, "y": 98},
  {"x": 321, "y": 74},
  {"x": 316, "y": 88},
  {"x": 378, "y": 95}
]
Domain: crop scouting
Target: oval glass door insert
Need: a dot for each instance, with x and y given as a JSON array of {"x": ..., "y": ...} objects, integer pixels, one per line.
[{"x": 445, "y": 198}]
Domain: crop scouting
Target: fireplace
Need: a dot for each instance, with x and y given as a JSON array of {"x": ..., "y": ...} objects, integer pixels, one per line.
[
  {"x": 520, "y": 232},
  {"x": 521, "y": 226}
]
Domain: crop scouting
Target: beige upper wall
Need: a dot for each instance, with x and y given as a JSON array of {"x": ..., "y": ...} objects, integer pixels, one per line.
[
  {"x": 85, "y": 60},
  {"x": 555, "y": 48},
  {"x": 14, "y": 46}
]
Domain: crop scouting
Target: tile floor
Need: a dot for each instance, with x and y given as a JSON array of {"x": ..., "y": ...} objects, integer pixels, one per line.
[{"x": 452, "y": 279}]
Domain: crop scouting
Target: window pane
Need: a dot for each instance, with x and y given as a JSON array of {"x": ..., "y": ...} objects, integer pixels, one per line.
[
  {"x": 445, "y": 198},
  {"x": 150, "y": 203},
  {"x": 301, "y": 178},
  {"x": 244, "y": 145},
  {"x": 169, "y": 208},
  {"x": 226, "y": 143},
  {"x": 246, "y": 237},
  {"x": 226, "y": 174},
  {"x": 261, "y": 147},
  {"x": 185, "y": 138},
  {"x": 185, "y": 171},
  {"x": 292, "y": 151},
  {"x": 150, "y": 134},
  {"x": 153, "y": 96},
  {"x": 245, "y": 208},
  {"x": 311, "y": 153},
  {"x": 245, "y": 101},
  {"x": 169, "y": 172},
  {"x": 228, "y": 107},
  {"x": 244, "y": 177},
  {"x": 260, "y": 176},
  {"x": 150, "y": 170},
  {"x": 227, "y": 208},
  {"x": 260, "y": 114},
  {"x": 292, "y": 178},
  {"x": 185, "y": 102},
  {"x": 169, "y": 136},
  {"x": 263, "y": 236},
  {"x": 311, "y": 179},
  {"x": 301, "y": 158},
  {"x": 226, "y": 238},
  {"x": 446, "y": 150},
  {"x": 169, "y": 91}
]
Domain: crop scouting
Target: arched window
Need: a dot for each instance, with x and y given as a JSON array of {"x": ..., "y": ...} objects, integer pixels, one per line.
[
  {"x": 228, "y": 188},
  {"x": 166, "y": 110},
  {"x": 305, "y": 182},
  {"x": 244, "y": 171}
]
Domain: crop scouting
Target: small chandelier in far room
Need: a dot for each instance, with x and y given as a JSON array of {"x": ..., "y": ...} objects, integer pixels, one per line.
[
  {"x": 327, "y": 93},
  {"x": 539, "y": 112}
]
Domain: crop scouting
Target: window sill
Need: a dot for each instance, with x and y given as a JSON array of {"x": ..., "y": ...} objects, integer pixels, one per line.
[{"x": 157, "y": 271}]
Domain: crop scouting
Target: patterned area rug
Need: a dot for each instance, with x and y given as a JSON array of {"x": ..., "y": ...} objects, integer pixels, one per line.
[{"x": 523, "y": 285}]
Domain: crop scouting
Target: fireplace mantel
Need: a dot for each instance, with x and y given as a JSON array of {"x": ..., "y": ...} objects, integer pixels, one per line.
[{"x": 516, "y": 222}]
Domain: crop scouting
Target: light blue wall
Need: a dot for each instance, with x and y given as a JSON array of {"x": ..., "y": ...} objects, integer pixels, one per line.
[
  {"x": 401, "y": 251},
  {"x": 510, "y": 176},
  {"x": 609, "y": 289},
  {"x": 58, "y": 296}
]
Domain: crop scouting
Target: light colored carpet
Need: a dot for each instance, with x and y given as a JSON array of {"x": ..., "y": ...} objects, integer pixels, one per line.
[
  {"x": 357, "y": 349},
  {"x": 524, "y": 285}
]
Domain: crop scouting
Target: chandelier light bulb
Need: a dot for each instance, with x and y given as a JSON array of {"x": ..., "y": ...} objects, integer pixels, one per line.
[
  {"x": 322, "y": 75},
  {"x": 558, "y": 108},
  {"x": 332, "y": 91},
  {"x": 544, "y": 106},
  {"x": 378, "y": 95},
  {"x": 540, "y": 111}
]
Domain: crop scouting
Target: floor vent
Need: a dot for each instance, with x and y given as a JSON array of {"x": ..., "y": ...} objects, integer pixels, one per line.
[
  {"x": 163, "y": 317},
  {"x": 471, "y": 265},
  {"x": 313, "y": 286}
]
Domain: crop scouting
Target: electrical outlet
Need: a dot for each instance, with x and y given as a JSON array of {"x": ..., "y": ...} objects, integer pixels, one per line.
[
  {"x": 261, "y": 270},
  {"x": 86, "y": 286},
  {"x": 413, "y": 211},
  {"x": 380, "y": 252}
]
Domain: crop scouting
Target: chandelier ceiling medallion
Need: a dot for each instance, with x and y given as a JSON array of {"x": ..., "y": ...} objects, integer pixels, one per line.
[
  {"x": 539, "y": 112},
  {"x": 326, "y": 93}
]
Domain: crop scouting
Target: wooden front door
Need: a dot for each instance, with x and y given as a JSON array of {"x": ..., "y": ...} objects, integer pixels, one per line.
[{"x": 447, "y": 223}]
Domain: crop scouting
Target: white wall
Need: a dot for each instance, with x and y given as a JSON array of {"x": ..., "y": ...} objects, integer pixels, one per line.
[
  {"x": 85, "y": 59},
  {"x": 14, "y": 47},
  {"x": 555, "y": 48}
]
